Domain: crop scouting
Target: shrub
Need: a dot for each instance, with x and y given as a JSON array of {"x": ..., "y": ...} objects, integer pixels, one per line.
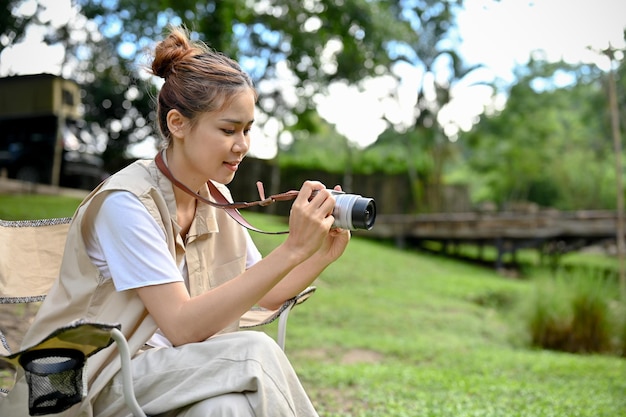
[
  {"x": 591, "y": 321},
  {"x": 550, "y": 322},
  {"x": 571, "y": 312}
]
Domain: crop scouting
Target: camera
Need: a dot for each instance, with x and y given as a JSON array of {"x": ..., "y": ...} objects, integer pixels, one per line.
[{"x": 353, "y": 212}]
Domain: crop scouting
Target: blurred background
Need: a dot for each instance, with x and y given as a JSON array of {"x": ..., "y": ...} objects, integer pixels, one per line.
[{"x": 459, "y": 105}]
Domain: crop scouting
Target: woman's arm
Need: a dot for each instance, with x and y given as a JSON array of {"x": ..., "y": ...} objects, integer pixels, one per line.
[
  {"x": 184, "y": 319},
  {"x": 306, "y": 272}
]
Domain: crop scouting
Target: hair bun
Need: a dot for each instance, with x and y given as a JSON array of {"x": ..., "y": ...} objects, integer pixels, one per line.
[{"x": 172, "y": 50}]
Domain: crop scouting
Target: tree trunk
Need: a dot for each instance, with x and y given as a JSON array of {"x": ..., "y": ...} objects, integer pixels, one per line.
[{"x": 617, "y": 144}]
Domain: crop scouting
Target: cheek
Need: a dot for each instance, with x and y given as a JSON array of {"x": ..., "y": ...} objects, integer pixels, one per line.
[
  {"x": 201, "y": 148},
  {"x": 205, "y": 143}
]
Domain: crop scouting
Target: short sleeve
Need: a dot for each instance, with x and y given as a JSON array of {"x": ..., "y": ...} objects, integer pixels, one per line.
[
  {"x": 252, "y": 252},
  {"x": 129, "y": 246}
]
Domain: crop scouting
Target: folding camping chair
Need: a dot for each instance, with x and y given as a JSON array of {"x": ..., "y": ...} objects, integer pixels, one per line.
[{"x": 54, "y": 366}]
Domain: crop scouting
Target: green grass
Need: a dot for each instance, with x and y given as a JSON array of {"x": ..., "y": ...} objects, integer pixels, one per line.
[
  {"x": 30, "y": 206},
  {"x": 398, "y": 333}
]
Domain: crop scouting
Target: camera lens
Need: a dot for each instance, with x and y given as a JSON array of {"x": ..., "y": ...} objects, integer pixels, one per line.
[
  {"x": 354, "y": 212},
  {"x": 363, "y": 213}
]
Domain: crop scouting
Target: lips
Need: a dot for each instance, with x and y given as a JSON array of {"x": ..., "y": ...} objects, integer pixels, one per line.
[{"x": 233, "y": 165}]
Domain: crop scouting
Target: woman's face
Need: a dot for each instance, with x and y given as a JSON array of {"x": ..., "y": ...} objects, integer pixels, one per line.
[{"x": 217, "y": 143}]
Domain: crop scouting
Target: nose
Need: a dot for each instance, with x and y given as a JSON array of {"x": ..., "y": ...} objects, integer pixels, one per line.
[{"x": 242, "y": 144}]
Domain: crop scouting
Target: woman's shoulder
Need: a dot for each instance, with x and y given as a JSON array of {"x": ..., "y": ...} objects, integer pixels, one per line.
[
  {"x": 136, "y": 177},
  {"x": 139, "y": 180}
]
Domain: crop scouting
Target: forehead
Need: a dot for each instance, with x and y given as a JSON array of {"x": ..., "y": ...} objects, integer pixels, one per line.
[{"x": 239, "y": 107}]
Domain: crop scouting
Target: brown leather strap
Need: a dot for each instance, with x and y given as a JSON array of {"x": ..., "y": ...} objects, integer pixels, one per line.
[{"x": 222, "y": 202}]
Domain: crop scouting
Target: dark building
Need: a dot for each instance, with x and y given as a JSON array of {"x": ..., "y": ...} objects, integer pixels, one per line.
[{"x": 43, "y": 138}]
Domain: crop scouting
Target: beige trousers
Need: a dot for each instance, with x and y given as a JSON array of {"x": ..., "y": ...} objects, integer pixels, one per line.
[{"x": 237, "y": 374}]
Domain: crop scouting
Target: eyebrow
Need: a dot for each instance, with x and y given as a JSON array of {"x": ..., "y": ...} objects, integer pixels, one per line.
[{"x": 236, "y": 122}]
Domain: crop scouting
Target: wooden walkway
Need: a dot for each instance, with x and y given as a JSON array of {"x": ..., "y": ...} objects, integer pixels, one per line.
[{"x": 553, "y": 232}]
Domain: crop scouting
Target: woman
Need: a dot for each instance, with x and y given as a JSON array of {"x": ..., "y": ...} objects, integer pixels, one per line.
[{"x": 178, "y": 273}]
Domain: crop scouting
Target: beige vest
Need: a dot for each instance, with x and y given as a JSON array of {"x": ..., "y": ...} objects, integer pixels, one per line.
[{"x": 215, "y": 253}]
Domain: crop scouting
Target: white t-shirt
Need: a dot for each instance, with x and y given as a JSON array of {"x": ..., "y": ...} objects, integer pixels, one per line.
[{"x": 127, "y": 245}]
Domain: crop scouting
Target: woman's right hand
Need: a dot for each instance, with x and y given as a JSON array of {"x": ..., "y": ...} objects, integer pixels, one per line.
[{"x": 310, "y": 219}]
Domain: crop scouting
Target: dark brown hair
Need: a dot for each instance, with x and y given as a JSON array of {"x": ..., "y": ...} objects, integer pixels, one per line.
[{"x": 197, "y": 78}]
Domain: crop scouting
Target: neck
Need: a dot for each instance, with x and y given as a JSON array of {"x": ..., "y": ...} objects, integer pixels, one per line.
[{"x": 183, "y": 198}]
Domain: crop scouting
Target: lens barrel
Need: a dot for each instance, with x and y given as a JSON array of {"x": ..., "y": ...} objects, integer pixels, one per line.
[{"x": 353, "y": 212}]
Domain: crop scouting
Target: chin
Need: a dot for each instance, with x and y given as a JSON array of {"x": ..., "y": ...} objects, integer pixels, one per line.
[{"x": 225, "y": 180}]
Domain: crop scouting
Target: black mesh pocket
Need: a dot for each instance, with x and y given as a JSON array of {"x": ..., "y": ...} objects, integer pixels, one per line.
[{"x": 55, "y": 379}]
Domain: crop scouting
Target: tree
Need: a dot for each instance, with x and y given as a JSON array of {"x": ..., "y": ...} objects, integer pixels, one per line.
[
  {"x": 611, "y": 54},
  {"x": 12, "y": 25},
  {"x": 291, "y": 49},
  {"x": 549, "y": 144},
  {"x": 424, "y": 145}
]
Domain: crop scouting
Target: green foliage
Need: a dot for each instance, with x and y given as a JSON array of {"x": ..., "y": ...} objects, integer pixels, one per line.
[
  {"x": 394, "y": 153},
  {"x": 11, "y": 25},
  {"x": 572, "y": 312},
  {"x": 291, "y": 49},
  {"x": 322, "y": 149},
  {"x": 316, "y": 42},
  {"x": 549, "y": 145},
  {"x": 550, "y": 321}
]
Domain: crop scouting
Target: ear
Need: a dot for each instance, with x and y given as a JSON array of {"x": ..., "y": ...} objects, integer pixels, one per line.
[{"x": 176, "y": 123}]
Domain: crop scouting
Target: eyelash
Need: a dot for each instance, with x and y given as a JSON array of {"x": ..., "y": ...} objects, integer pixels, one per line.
[{"x": 232, "y": 132}]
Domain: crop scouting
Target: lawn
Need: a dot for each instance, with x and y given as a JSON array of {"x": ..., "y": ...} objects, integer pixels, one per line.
[{"x": 401, "y": 333}]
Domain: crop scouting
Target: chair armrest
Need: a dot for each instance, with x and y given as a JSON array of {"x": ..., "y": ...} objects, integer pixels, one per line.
[
  {"x": 127, "y": 376},
  {"x": 259, "y": 316}
]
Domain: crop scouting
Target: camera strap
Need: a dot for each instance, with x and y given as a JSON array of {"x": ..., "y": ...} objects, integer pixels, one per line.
[{"x": 222, "y": 202}]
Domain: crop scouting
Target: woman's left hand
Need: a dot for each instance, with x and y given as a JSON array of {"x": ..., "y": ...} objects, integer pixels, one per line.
[{"x": 335, "y": 243}]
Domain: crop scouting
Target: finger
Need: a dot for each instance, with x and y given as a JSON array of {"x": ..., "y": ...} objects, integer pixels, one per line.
[
  {"x": 322, "y": 197},
  {"x": 308, "y": 190}
]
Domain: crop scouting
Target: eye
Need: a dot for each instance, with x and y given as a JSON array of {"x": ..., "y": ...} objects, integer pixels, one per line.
[
  {"x": 228, "y": 131},
  {"x": 246, "y": 131}
]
